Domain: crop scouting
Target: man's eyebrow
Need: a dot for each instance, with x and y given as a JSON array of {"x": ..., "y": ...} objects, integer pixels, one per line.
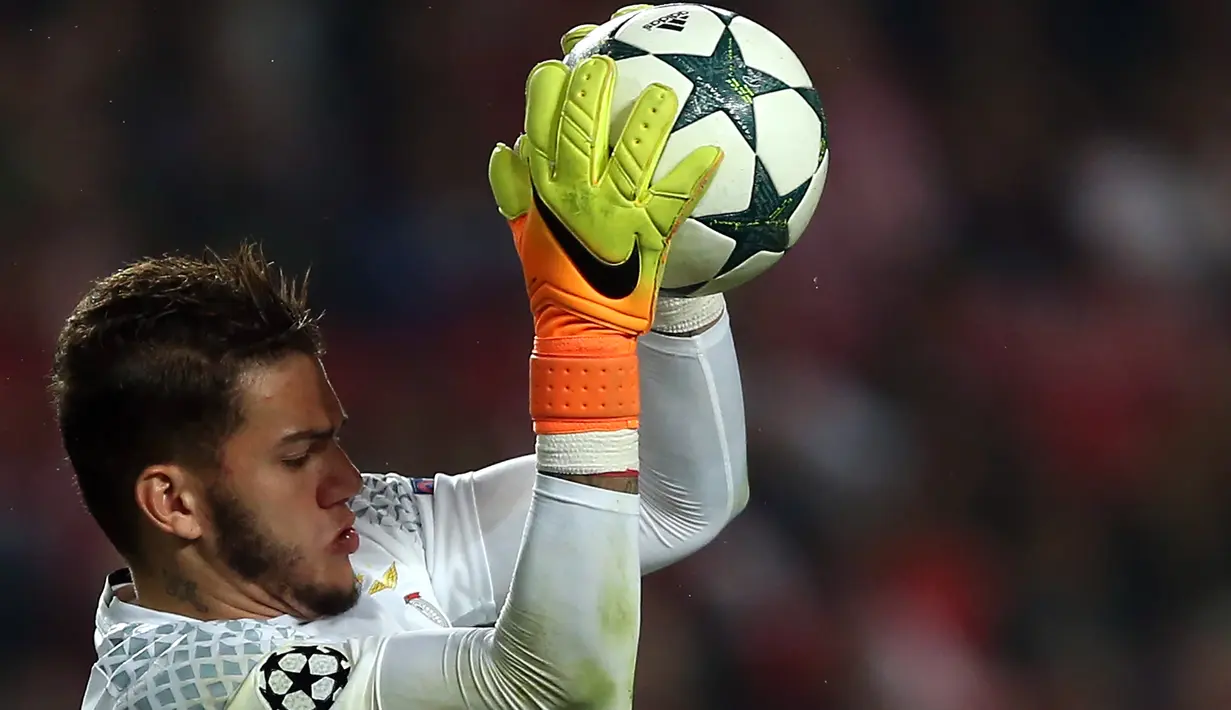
[{"x": 313, "y": 434}]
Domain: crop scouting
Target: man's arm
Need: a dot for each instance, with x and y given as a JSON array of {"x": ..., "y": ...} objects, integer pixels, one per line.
[
  {"x": 694, "y": 468},
  {"x": 566, "y": 638},
  {"x": 693, "y": 472}
]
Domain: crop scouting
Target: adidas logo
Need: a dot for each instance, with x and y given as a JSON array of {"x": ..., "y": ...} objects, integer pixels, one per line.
[{"x": 674, "y": 22}]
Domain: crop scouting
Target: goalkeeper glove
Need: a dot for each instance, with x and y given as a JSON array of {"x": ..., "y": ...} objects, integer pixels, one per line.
[
  {"x": 592, "y": 231},
  {"x": 674, "y": 315}
]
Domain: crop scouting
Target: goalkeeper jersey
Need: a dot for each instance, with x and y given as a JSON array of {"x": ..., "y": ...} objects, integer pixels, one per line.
[
  {"x": 151, "y": 659},
  {"x": 436, "y": 556},
  {"x": 577, "y": 576}
]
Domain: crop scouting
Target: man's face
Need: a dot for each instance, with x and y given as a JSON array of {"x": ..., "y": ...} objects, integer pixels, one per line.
[{"x": 280, "y": 513}]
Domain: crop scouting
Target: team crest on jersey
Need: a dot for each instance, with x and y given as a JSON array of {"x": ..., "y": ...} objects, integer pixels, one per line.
[
  {"x": 303, "y": 677},
  {"x": 424, "y": 486},
  {"x": 418, "y": 603},
  {"x": 387, "y": 581}
]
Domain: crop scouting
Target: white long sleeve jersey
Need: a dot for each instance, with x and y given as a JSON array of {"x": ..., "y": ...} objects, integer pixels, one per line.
[{"x": 437, "y": 562}]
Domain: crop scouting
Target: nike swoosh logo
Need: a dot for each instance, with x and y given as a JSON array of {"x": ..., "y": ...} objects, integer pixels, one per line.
[{"x": 615, "y": 281}]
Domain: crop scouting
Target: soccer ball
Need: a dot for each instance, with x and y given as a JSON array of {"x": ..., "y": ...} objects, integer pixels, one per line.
[{"x": 741, "y": 88}]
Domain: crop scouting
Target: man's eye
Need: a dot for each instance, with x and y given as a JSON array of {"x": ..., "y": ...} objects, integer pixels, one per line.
[{"x": 297, "y": 462}]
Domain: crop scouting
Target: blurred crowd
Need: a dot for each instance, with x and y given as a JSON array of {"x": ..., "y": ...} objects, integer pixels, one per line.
[{"x": 985, "y": 393}]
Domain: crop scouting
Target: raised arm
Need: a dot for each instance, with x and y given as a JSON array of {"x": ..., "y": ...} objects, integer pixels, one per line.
[
  {"x": 566, "y": 638},
  {"x": 693, "y": 473},
  {"x": 567, "y": 635}
]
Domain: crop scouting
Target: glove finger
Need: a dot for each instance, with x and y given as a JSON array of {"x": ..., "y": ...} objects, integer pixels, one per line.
[
  {"x": 642, "y": 141},
  {"x": 582, "y": 147},
  {"x": 673, "y": 198},
  {"x": 545, "y": 91},
  {"x": 575, "y": 35},
  {"x": 629, "y": 9},
  {"x": 510, "y": 181}
]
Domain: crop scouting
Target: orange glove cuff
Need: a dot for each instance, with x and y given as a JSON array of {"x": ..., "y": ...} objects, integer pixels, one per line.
[{"x": 584, "y": 383}]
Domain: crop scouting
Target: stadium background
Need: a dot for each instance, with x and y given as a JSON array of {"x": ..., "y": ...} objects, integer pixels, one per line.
[{"x": 987, "y": 397}]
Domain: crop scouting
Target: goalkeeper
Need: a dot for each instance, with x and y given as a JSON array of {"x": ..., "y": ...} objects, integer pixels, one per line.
[{"x": 264, "y": 571}]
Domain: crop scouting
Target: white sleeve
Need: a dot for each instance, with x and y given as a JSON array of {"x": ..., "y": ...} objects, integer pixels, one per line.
[
  {"x": 694, "y": 478},
  {"x": 567, "y": 637},
  {"x": 694, "y": 469}
]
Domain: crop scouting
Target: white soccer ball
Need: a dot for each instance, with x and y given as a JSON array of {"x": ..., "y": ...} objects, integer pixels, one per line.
[{"x": 741, "y": 88}]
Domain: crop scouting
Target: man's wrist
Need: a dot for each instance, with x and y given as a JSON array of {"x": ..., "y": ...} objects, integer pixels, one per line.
[
  {"x": 603, "y": 459},
  {"x": 685, "y": 317},
  {"x": 584, "y": 383}
]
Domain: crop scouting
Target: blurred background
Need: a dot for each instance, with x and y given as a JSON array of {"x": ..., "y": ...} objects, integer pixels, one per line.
[{"x": 987, "y": 395}]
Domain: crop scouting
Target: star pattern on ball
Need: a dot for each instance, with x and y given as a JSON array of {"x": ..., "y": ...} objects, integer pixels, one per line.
[
  {"x": 725, "y": 15},
  {"x": 722, "y": 81},
  {"x": 810, "y": 95},
  {"x": 614, "y": 48},
  {"x": 763, "y": 224}
]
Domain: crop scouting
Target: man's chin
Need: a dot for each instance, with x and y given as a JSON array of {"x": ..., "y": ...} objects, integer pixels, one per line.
[{"x": 323, "y": 601}]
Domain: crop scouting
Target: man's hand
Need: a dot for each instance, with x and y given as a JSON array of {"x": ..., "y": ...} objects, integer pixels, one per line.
[
  {"x": 673, "y": 315},
  {"x": 591, "y": 229}
]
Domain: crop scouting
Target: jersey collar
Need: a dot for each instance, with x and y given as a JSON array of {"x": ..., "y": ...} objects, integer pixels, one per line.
[{"x": 112, "y": 610}]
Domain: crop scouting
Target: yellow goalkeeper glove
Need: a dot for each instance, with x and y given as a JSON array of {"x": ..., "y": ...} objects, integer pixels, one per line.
[{"x": 592, "y": 231}]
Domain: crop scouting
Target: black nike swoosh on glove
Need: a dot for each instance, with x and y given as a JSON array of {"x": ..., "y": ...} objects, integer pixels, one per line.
[{"x": 615, "y": 281}]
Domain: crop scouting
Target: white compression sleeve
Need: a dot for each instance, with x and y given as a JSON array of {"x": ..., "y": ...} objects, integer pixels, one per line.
[
  {"x": 693, "y": 461},
  {"x": 694, "y": 470},
  {"x": 567, "y": 636}
]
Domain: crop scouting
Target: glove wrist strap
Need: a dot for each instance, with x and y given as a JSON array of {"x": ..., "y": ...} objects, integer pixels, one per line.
[{"x": 584, "y": 384}]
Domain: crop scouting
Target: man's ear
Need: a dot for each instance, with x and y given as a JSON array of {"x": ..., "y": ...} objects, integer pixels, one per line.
[{"x": 172, "y": 501}]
